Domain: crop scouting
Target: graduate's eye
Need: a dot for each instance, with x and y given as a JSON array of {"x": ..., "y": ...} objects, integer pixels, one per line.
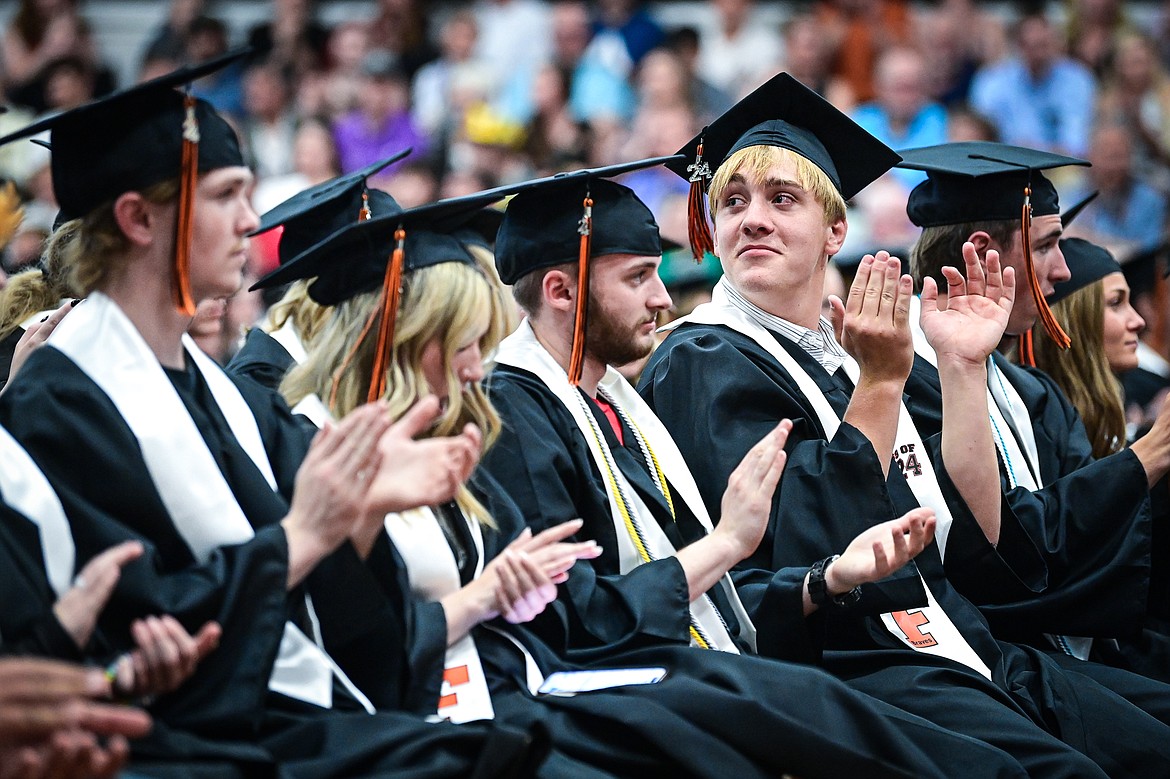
[
  {"x": 734, "y": 200},
  {"x": 783, "y": 198}
]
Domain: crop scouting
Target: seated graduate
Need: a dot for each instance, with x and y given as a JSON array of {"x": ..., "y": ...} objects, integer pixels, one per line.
[
  {"x": 1088, "y": 519},
  {"x": 714, "y": 712},
  {"x": 783, "y": 162},
  {"x": 1095, "y": 304},
  {"x": 143, "y": 438},
  {"x": 305, "y": 219}
]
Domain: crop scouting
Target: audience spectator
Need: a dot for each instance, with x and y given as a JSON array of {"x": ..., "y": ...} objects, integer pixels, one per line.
[
  {"x": 314, "y": 161},
  {"x": 207, "y": 38},
  {"x": 553, "y": 136},
  {"x": 628, "y": 23},
  {"x": 441, "y": 86},
  {"x": 39, "y": 32},
  {"x": 710, "y": 101},
  {"x": 951, "y": 51},
  {"x": 1136, "y": 94},
  {"x": 903, "y": 117},
  {"x": 859, "y": 30},
  {"x": 170, "y": 40},
  {"x": 269, "y": 124},
  {"x": 808, "y": 56},
  {"x": 69, "y": 82},
  {"x": 501, "y": 24},
  {"x": 738, "y": 51},
  {"x": 380, "y": 125},
  {"x": 349, "y": 43},
  {"x": 1129, "y": 216},
  {"x": 1093, "y": 29},
  {"x": 963, "y": 124},
  {"x": 1038, "y": 97},
  {"x": 294, "y": 39},
  {"x": 401, "y": 28}
]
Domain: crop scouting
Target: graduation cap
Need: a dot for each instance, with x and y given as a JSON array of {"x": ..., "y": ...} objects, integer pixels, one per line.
[
  {"x": 135, "y": 138},
  {"x": 378, "y": 252},
  {"x": 1087, "y": 262},
  {"x": 322, "y": 210},
  {"x": 976, "y": 181},
  {"x": 569, "y": 218},
  {"x": 1073, "y": 211},
  {"x": 787, "y": 114}
]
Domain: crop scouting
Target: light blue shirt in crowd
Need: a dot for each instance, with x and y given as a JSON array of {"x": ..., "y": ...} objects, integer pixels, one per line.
[{"x": 1054, "y": 112}]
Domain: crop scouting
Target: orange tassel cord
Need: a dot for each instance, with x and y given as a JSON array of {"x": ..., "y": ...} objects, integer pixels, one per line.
[
  {"x": 391, "y": 294},
  {"x": 185, "y": 224},
  {"x": 577, "y": 357},
  {"x": 1047, "y": 318},
  {"x": 698, "y": 228}
]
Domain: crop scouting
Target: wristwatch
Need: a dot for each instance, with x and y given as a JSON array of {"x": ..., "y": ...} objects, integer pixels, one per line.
[{"x": 818, "y": 591}]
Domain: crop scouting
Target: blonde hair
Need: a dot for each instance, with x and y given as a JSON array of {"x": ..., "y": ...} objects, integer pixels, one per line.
[
  {"x": 308, "y": 317},
  {"x": 447, "y": 302},
  {"x": 1082, "y": 372},
  {"x": 38, "y": 289},
  {"x": 757, "y": 161},
  {"x": 91, "y": 246}
]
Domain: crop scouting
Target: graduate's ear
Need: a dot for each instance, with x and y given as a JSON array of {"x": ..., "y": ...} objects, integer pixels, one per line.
[
  {"x": 136, "y": 217},
  {"x": 835, "y": 236},
  {"x": 982, "y": 241},
  {"x": 558, "y": 290}
]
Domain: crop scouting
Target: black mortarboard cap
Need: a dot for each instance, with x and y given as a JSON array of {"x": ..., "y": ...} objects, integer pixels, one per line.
[
  {"x": 1087, "y": 262},
  {"x": 380, "y": 252},
  {"x": 132, "y": 139},
  {"x": 1072, "y": 212},
  {"x": 977, "y": 181},
  {"x": 786, "y": 114},
  {"x": 540, "y": 226},
  {"x": 319, "y": 211}
]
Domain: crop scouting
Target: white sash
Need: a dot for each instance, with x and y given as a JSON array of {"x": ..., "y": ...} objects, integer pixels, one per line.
[
  {"x": 107, "y": 347},
  {"x": 639, "y": 535},
  {"x": 25, "y": 488},
  {"x": 942, "y": 638},
  {"x": 1022, "y": 464},
  {"x": 287, "y": 337}
]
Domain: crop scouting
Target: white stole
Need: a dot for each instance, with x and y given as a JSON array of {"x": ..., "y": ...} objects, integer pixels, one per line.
[
  {"x": 434, "y": 574},
  {"x": 638, "y": 526},
  {"x": 25, "y": 488},
  {"x": 1007, "y": 413},
  {"x": 106, "y": 346},
  {"x": 942, "y": 638},
  {"x": 286, "y": 335}
]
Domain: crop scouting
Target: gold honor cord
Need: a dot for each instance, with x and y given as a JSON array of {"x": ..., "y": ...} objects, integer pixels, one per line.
[{"x": 627, "y": 513}]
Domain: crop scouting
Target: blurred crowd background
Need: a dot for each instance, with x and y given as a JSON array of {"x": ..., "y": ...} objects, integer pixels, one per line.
[{"x": 493, "y": 91}]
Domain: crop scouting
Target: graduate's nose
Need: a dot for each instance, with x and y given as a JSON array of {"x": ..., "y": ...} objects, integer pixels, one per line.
[
  {"x": 660, "y": 298},
  {"x": 756, "y": 217},
  {"x": 1058, "y": 271}
]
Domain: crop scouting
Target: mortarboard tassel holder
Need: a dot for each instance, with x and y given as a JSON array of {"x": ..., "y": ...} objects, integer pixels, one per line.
[
  {"x": 1047, "y": 318},
  {"x": 698, "y": 229}
]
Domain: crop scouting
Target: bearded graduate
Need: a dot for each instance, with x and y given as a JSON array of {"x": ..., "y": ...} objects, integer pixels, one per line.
[
  {"x": 304, "y": 220},
  {"x": 779, "y": 167},
  {"x": 143, "y": 438},
  {"x": 465, "y": 563}
]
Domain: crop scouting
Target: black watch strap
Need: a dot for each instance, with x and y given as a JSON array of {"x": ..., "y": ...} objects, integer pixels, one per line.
[{"x": 818, "y": 590}]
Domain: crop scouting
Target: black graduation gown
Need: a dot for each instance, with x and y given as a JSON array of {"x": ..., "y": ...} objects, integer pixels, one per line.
[
  {"x": 90, "y": 456},
  {"x": 543, "y": 461},
  {"x": 261, "y": 359},
  {"x": 829, "y": 493},
  {"x": 1105, "y": 560}
]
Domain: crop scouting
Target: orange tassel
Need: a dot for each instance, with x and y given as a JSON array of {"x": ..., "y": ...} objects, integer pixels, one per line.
[
  {"x": 391, "y": 294},
  {"x": 577, "y": 357},
  {"x": 184, "y": 223},
  {"x": 365, "y": 212},
  {"x": 1027, "y": 353},
  {"x": 1047, "y": 318},
  {"x": 698, "y": 228}
]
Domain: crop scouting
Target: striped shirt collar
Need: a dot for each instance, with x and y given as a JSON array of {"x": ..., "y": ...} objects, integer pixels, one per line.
[{"x": 820, "y": 344}]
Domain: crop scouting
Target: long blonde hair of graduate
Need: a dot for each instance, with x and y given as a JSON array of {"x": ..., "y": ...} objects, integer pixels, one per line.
[
  {"x": 448, "y": 302},
  {"x": 1082, "y": 372},
  {"x": 308, "y": 317},
  {"x": 42, "y": 288}
]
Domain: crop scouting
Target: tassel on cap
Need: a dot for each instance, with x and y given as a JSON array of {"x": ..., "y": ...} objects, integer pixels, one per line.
[
  {"x": 391, "y": 294},
  {"x": 365, "y": 212},
  {"x": 585, "y": 228},
  {"x": 188, "y": 176},
  {"x": 1027, "y": 353},
  {"x": 698, "y": 228},
  {"x": 1047, "y": 318}
]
